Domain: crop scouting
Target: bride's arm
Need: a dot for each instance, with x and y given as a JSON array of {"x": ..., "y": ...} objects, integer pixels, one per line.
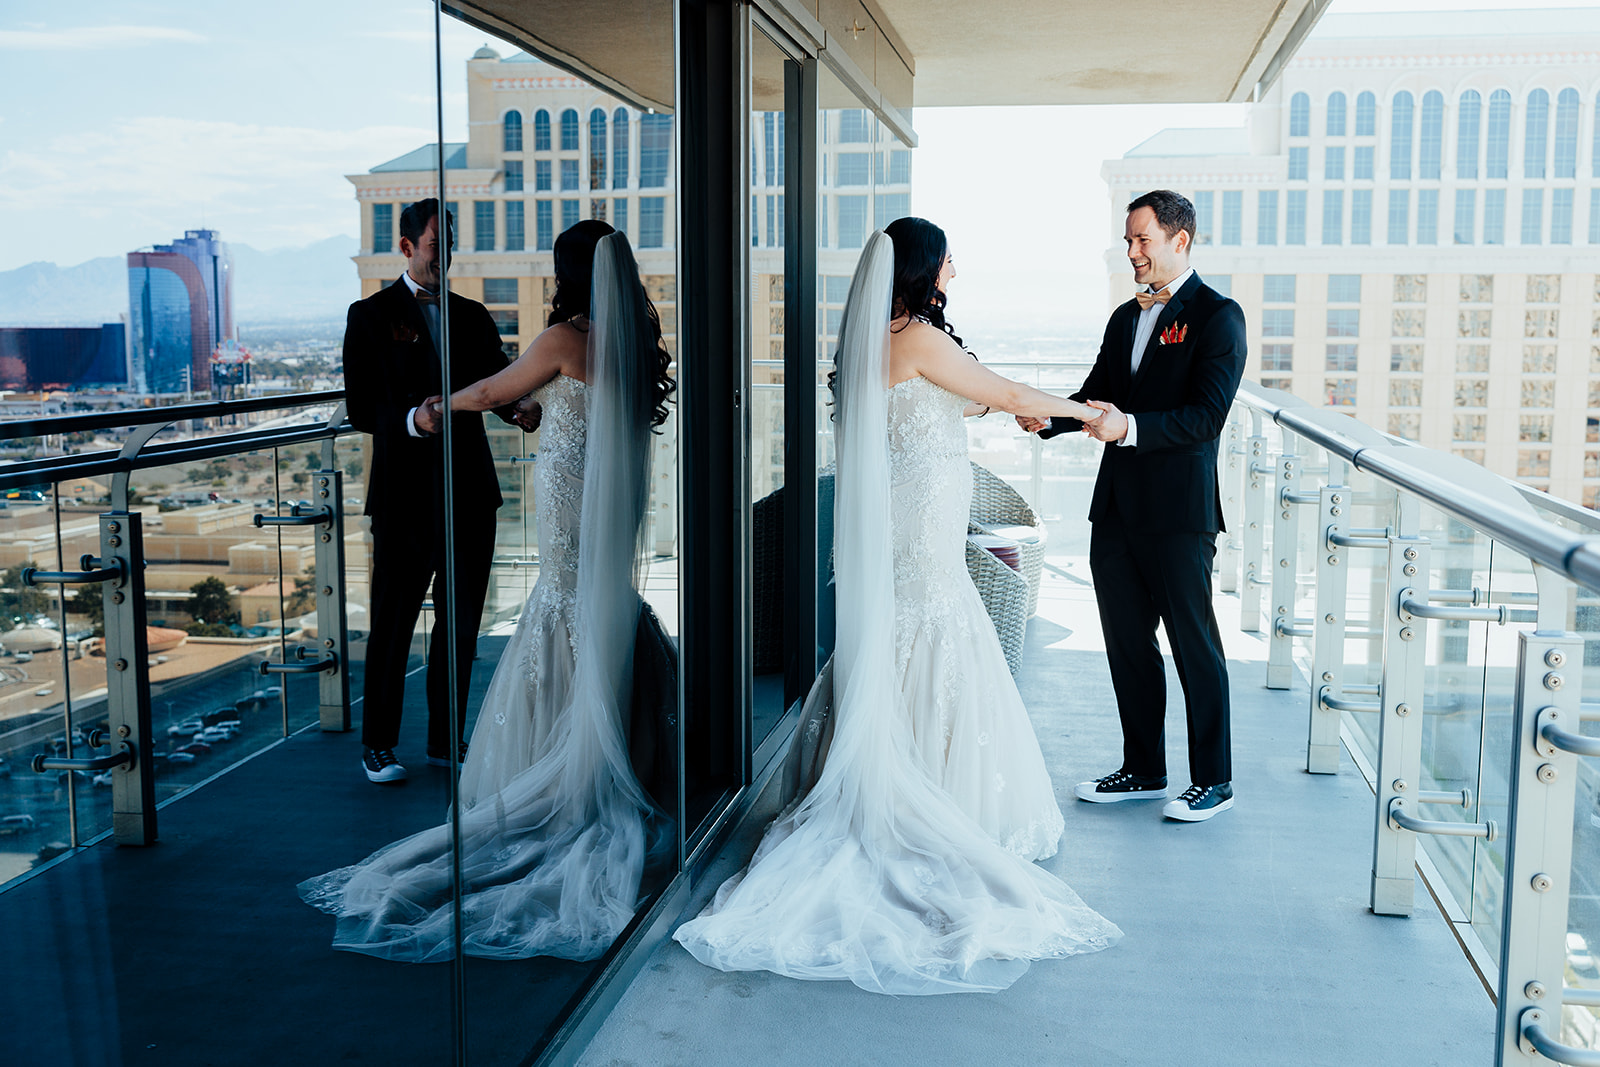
[
  {"x": 937, "y": 357},
  {"x": 559, "y": 349}
]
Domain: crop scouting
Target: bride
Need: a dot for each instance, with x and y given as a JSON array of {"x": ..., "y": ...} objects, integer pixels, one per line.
[
  {"x": 904, "y": 868},
  {"x": 556, "y": 830}
]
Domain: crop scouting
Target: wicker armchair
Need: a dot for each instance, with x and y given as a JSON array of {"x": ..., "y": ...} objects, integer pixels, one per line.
[{"x": 1010, "y": 596}]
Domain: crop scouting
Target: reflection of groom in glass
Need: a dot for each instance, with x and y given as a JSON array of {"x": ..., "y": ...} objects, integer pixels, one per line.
[
  {"x": 1166, "y": 376},
  {"x": 391, "y": 365}
]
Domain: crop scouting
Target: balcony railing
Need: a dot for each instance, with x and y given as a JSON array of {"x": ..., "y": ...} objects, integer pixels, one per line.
[{"x": 1445, "y": 623}]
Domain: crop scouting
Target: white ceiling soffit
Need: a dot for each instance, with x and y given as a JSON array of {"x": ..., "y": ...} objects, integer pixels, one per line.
[
  {"x": 1003, "y": 52},
  {"x": 621, "y": 46}
]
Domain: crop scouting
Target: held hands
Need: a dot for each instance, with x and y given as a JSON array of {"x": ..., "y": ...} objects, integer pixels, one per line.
[
  {"x": 527, "y": 414},
  {"x": 429, "y": 419},
  {"x": 1110, "y": 425},
  {"x": 1030, "y": 424}
]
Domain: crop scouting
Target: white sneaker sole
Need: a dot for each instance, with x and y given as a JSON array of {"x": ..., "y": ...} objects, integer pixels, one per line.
[
  {"x": 1183, "y": 813},
  {"x": 1086, "y": 791},
  {"x": 388, "y": 774}
]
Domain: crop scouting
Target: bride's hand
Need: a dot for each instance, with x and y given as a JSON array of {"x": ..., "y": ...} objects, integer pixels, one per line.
[
  {"x": 1030, "y": 424},
  {"x": 1083, "y": 412}
]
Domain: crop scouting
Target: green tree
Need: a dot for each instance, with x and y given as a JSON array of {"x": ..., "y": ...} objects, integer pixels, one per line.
[
  {"x": 304, "y": 597},
  {"x": 18, "y": 601},
  {"x": 212, "y": 603},
  {"x": 91, "y": 604}
]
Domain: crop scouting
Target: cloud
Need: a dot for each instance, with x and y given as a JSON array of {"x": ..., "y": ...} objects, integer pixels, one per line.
[
  {"x": 94, "y": 37},
  {"x": 145, "y": 180}
]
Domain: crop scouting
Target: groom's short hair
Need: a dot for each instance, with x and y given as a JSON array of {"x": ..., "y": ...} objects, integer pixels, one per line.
[{"x": 1173, "y": 211}]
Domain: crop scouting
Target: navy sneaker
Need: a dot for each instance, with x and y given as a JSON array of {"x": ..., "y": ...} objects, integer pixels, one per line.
[
  {"x": 442, "y": 759},
  {"x": 382, "y": 765},
  {"x": 1121, "y": 785},
  {"x": 1200, "y": 802}
]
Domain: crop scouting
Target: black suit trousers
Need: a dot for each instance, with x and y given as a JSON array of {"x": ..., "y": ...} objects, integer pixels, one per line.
[
  {"x": 1142, "y": 579},
  {"x": 408, "y": 555}
]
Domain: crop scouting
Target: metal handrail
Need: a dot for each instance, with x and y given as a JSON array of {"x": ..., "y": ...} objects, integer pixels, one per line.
[
  {"x": 1411, "y": 604},
  {"x": 1334, "y": 703},
  {"x": 1399, "y": 817},
  {"x": 62, "y": 468},
  {"x": 1531, "y": 1029},
  {"x": 1577, "y": 558},
  {"x": 108, "y": 420}
]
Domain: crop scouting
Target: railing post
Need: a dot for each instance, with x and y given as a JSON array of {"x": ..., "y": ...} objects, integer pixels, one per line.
[
  {"x": 1538, "y": 859},
  {"x": 1232, "y": 463},
  {"x": 127, "y": 648},
  {"x": 1400, "y": 694},
  {"x": 1327, "y": 642},
  {"x": 333, "y": 685},
  {"x": 1251, "y": 581},
  {"x": 1285, "y": 552}
]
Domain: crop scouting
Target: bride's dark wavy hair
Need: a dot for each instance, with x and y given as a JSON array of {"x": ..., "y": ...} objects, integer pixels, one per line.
[
  {"x": 574, "y": 254},
  {"x": 919, "y": 251}
]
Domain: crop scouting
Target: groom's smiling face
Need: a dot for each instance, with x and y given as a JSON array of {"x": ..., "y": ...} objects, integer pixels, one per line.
[{"x": 1155, "y": 257}]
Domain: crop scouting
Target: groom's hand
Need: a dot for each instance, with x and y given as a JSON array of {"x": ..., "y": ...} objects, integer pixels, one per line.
[
  {"x": 1112, "y": 425},
  {"x": 528, "y": 414},
  {"x": 429, "y": 420},
  {"x": 1030, "y": 424}
]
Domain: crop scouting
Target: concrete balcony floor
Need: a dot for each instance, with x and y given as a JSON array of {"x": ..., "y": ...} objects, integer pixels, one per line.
[{"x": 1248, "y": 938}]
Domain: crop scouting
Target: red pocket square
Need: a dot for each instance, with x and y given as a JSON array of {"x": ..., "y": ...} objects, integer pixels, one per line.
[
  {"x": 403, "y": 332},
  {"x": 1174, "y": 334}
]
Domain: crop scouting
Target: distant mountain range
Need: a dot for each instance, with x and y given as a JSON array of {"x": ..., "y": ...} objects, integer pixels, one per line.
[{"x": 313, "y": 283}]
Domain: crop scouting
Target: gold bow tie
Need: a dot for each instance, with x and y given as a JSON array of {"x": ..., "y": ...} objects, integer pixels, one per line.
[
  {"x": 1147, "y": 300},
  {"x": 425, "y": 297}
]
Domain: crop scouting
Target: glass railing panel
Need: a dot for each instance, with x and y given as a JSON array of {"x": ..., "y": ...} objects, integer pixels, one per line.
[
  {"x": 1581, "y": 1025},
  {"x": 45, "y": 669},
  {"x": 1459, "y": 560},
  {"x": 1366, "y": 598}
]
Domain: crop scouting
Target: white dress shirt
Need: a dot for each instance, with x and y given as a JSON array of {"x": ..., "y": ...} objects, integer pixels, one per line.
[
  {"x": 1141, "y": 340},
  {"x": 411, "y": 416}
]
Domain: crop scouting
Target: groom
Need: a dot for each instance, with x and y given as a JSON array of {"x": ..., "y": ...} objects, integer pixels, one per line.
[{"x": 1167, "y": 371}]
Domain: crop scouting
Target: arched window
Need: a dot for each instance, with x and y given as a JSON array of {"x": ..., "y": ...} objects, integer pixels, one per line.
[
  {"x": 1336, "y": 115},
  {"x": 1497, "y": 145},
  {"x": 1432, "y": 140},
  {"x": 1566, "y": 160},
  {"x": 1535, "y": 147},
  {"x": 541, "y": 130},
  {"x": 619, "y": 148},
  {"x": 1468, "y": 126},
  {"x": 511, "y": 140},
  {"x": 655, "y": 150},
  {"x": 569, "y": 130},
  {"x": 1300, "y": 115},
  {"x": 1366, "y": 115},
  {"x": 1400, "y": 136},
  {"x": 597, "y": 149}
]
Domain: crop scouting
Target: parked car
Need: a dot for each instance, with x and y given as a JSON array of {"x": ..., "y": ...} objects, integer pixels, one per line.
[
  {"x": 23, "y": 657},
  {"x": 180, "y": 757},
  {"x": 15, "y": 824},
  {"x": 187, "y": 728},
  {"x": 103, "y": 778},
  {"x": 194, "y": 747},
  {"x": 220, "y": 714},
  {"x": 213, "y": 734}
]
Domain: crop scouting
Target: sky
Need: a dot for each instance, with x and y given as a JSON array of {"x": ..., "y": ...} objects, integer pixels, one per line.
[{"x": 125, "y": 122}]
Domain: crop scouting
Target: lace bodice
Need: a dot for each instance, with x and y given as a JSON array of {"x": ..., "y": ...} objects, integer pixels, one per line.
[
  {"x": 558, "y": 478},
  {"x": 931, "y": 484}
]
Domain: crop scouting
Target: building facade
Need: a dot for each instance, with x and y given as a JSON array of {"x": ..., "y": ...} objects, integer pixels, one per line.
[
  {"x": 180, "y": 300},
  {"x": 64, "y": 357},
  {"x": 1411, "y": 222}
]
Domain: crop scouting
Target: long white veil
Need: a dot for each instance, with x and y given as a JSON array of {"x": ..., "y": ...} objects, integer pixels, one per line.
[
  {"x": 877, "y": 876},
  {"x": 553, "y": 860}
]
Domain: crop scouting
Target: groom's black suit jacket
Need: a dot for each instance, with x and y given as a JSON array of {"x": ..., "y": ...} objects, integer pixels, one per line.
[
  {"x": 390, "y": 367},
  {"x": 1167, "y": 482}
]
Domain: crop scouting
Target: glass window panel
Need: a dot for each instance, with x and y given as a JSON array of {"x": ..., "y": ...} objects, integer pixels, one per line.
[
  {"x": 655, "y": 150},
  {"x": 1466, "y": 216},
  {"x": 511, "y": 131},
  {"x": 1267, "y": 217},
  {"x": 1366, "y": 115},
  {"x": 1232, "y": 217},
  {"x": 619, "y": 148},
  {"x": 1333, "y": 163},
  {"x": 652, "y": 221},
  {"x": 1300, "y": 115},
  {"x": 852, "y": 221},
  {"x": 1344, "y": 322},
  {"x": 569, "y": 175},
  {"x": 1277, "y": 322},
  {"x": 569, "y": 130},
  {"x": 1430, "y": 150},
  {"x": 541, "y": 131},
  {"x": 851, "y": 168},
  {"x": 1536, "y": 140},
  {"x": 1566, "y": 146},
  {"x": 1221, "y": 283},
  {"x": 1399, "y": 215},
  {"x": 500, "y": 290},
  {"x": 382, "y": 228},
  {"x": 1277, "y": 288},
  {"x": 1561, "y": 216},
  {"x": 1400, "y": 140},
  {"x": 483, "y": 226},
  {"x": 619, "y": 215},
  {"x": 597, "y": 149},
  {"x": 1341, "y": 357},
  {"x": 1204, "y": 213},
  {"x": 544, "y": 227},
  {"x": 1498, "y": 161},
  {"x": 1277, "y": 357},
  {"x": 1594, "y": 216},
  {"x": 1299, "y": 163},
  {"x": 1332, "y": 216},
  {"x": 1469, "y": 121},
  {"x": 1294, "y": 226},
  {"x": 1361, "y": 216},
  {"x": 1532, "y": 216},
  {"x": 514, "y": 226},
  {"x": 1361, "y": 169},
  {"x": 1336, "y": 114},
  {"x": 541, "y": 176},
  {"x": 1427, "y": 216},
  {"x": 571, "y": 214}
]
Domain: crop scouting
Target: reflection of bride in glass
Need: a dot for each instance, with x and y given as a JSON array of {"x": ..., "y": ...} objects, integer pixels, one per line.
[
  {"x": 905, "y": 868},
  {"x": 556, "y": 830}
]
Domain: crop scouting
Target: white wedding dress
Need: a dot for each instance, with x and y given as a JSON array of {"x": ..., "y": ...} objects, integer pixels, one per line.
[
  {"x": 556, "y": 831},
  {"x": 904, "y": 868}
]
